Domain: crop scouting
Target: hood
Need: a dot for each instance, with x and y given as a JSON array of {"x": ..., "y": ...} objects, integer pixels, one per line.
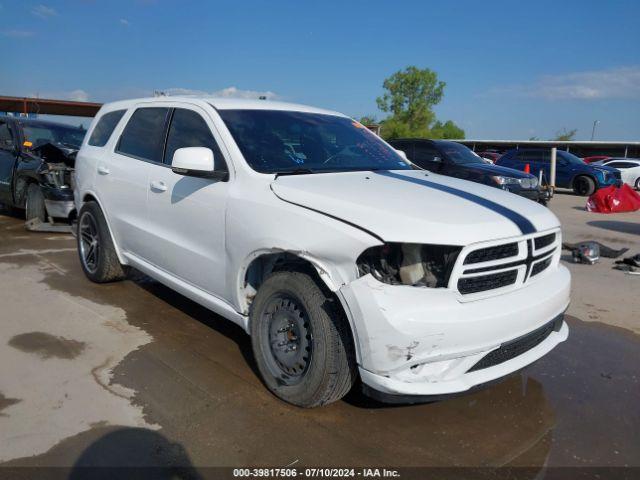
[
  {"x": 603, "y": 168},
  {"x": 56, "y": 153},
  {"x": 416, "y": 206},
  {"x": 490, "y": 169}
]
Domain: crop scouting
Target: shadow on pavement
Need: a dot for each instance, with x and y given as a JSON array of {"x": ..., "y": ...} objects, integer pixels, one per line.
[{"x": 617, "y": 226}]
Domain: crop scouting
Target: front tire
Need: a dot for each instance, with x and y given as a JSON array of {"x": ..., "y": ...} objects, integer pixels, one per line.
[
  {"x": 637, "y": 185},
  {"x": 584, "y": 186},
  {"x": 98, "y": 256},
  {"x": 35, "y": 209},
  {"x": 301, "y": 341}
]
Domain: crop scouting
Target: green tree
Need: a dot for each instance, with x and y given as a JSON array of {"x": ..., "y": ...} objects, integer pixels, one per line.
[
  {"x": 368, "y": 120},
  {"x": 446, "y": 130},
  {"x": 409, "y": 98},
  {"x": 565, "y": 135}
]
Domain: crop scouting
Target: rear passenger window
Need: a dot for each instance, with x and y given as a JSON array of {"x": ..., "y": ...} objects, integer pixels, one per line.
[
  {"x": 143, "y": 137},
  {"x": 104, "y": 128},
  {"x": 188, "y": 129}
]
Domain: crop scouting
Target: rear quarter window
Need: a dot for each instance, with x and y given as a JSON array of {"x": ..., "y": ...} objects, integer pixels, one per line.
[{"x": 104, "y": 128}]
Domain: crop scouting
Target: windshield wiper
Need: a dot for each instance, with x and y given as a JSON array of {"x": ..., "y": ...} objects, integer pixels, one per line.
[{"x": 297, "y": 171}]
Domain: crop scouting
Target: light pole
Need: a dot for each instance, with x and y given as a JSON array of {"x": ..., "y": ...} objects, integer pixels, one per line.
[{"x": 593, "y": 131}]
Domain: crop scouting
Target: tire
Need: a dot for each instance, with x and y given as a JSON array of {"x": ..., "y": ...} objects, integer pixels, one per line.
[
  {"x": 637, "y": 184},
  {"x": 35, "y": 208},
  {"x": 97, "y": 254},
  {"x": 584, "y": 186},
  {"x": 301, "y": 341}
]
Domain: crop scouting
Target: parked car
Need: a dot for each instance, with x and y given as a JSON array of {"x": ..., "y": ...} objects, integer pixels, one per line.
[
  {"x": 571, "y": 172},
  {"x": 629, "y": 169},
  {"x": 490, "y": 155},
  {"x": 36, "y": 165},
  {"x": 456, "y": 160},
  {"x": 341, "y": 262},
  {"x": 595, "y": 158}
]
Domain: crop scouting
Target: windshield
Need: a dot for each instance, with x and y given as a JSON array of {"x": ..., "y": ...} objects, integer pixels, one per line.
[
  {"x": 39, "y": 134},
  {"x": 295, "y": 142},
  {"x": 458, "y": 153},
  {"x": 571, "y": 158}
]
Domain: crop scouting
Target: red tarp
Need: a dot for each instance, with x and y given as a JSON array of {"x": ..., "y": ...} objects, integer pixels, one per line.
[{"x": 614, "y": 200}]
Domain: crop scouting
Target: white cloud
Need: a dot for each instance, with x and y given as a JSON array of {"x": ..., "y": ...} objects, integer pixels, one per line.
[
  {"x": 77, "y": 95},
  {"x": 18, "y": 33},
  {"x": 124, "y": 22},
  {"x": 621, "y": 83},
  {"x": 229, "y": 92},
  {"x": 43, "y": 11}
]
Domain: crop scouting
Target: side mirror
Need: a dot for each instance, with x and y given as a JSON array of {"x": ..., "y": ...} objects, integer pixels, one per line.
[
  {"x": 195, "y": 162},
  {"x": 402, "y": 154}
]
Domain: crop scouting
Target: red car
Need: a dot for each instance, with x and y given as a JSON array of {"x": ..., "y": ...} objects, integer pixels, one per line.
[
  {"x": 595, "y": 158},
  {"x": 490, "y": 155}
]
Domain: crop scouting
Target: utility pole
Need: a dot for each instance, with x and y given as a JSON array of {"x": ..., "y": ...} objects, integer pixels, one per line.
[{"x": 593, "y": 131}]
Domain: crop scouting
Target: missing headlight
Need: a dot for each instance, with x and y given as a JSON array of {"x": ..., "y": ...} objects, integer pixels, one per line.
[{"x": 409, "y": 264}]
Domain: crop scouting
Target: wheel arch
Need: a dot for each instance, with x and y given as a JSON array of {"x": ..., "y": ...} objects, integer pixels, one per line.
[
  {"x": 92, "y": 197},
  {"x": 259, "y": 265},
  {"x": 584, "y": 174}
]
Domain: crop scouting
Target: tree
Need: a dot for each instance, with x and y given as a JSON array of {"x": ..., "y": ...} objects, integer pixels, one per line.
[
  {"x": 446, "y": 130},
  {"x": 368, "y": 120},
  {"x": 409, "y": 98},
  {"x": 564, "y": 135}
]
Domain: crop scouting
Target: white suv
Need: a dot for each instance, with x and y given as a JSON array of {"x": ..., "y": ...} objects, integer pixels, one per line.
[{"x": 337, "y": 256}]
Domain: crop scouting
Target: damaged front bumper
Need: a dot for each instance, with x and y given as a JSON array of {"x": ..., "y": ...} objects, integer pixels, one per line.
[
  {"x": 426, "y": 342},
  {"x": 58, "y": 201}
]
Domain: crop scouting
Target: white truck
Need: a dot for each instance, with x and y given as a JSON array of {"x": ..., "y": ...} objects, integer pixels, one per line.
[{"x": 338, "y": 257}]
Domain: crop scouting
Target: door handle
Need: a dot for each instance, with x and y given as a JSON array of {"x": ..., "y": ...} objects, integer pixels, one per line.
[
  {"x": 158, "y": 186},
  {"x": 102, "y": 170}
]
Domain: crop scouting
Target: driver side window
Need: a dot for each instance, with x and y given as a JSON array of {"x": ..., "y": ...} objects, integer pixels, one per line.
[
  {"x": 6, "y": 139},
  {"x": 426, "y": 156}
]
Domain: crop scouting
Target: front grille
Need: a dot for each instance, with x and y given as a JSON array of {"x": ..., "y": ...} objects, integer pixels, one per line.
[
  {"x": 518, "y": 346},
  {"x": 540, "y": 266},
  {"x": 487, "y": 282},
  {"x": 492, "y": 253},
  {"x": 545, "y": 241}
]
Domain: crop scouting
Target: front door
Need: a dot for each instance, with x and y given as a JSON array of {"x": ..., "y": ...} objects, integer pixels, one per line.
[
  {"x": 8, "y": 156},
  {"x": 187, "y": 214}
]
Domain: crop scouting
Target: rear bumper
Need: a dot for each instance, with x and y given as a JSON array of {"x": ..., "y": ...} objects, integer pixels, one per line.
[{"x": 420, "y": 341}]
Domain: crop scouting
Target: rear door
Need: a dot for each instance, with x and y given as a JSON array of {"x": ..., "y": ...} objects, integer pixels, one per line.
[
  {"x": 187, "y": 214},
  {"x": 122, "y": 176},
  {"x": 8, "y": 156}
]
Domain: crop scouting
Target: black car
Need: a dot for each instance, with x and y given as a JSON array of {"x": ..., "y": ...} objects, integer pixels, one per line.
[
  {"x": 455, "y": 160},
  {"x": 36, "y": 164}
]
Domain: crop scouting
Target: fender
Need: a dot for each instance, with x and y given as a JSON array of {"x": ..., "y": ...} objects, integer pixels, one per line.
[{"x": 91, "y": 193}]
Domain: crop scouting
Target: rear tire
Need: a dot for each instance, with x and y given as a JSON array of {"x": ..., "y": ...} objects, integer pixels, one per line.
[
  {"x": 584, "y": 186},
  {"x": 97, "y": 253},
  {"x": 301, "y": 341},
  {"x": 35, "y": 208},
  {"x": 637, "y": 183}
]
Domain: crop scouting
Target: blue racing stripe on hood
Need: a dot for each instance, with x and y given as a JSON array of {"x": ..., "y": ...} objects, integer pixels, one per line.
[{"x": 522, "y": 223}]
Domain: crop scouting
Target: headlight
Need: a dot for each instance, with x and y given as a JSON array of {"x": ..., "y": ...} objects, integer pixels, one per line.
[
  {"x": 526, "y": 183},
  {"x": 409, "y": 264}
]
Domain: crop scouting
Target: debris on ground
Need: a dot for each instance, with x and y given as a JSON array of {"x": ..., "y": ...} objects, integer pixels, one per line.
[
  {"x": 604, "y": 251},
  {"x": 614, "y": 200},
  {"x": 629, "y": 265}
]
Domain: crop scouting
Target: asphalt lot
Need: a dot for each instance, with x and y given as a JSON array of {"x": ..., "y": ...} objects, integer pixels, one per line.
[{"x": 135, "y": 374}]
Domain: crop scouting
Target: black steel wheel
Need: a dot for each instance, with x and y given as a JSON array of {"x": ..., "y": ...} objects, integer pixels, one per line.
[
  {"x": 301, "y": 340},
  {"x": 288, "y": 339}
]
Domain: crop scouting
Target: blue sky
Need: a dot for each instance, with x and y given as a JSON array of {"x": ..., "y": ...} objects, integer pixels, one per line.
[{"x": 513, "y": 69}]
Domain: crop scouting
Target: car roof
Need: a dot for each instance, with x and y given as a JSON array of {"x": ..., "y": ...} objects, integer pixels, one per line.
[
  {"x": 223, "y": 104},
  {"x": 43, "y": 123}
]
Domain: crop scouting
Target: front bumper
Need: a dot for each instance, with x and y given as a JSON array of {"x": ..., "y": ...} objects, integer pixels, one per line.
[
  {"x": 421, "y": 341},
  {"x": 58, "y": 202}
]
